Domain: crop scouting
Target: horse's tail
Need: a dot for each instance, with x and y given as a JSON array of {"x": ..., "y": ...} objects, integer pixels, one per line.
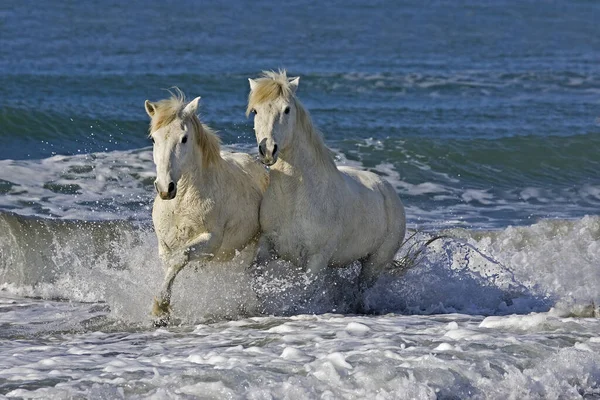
[{"x": 414, "y": 254}]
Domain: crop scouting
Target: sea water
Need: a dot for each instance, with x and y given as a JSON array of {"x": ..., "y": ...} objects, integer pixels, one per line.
[{"x": 483, "y": 116}]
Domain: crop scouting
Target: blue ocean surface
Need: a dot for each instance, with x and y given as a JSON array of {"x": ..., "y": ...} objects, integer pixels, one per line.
[{"x": 484, "y": 115}]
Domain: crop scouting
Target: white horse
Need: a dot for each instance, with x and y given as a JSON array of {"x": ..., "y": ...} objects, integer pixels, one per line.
[
  {"x": 207, "y": 203},
  {"x": 313, "y": 213}
]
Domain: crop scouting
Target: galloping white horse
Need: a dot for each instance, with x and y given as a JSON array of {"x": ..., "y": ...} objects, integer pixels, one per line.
[
  {"x": 208, "y": 202},
  {"x": 313, "y": 213}
]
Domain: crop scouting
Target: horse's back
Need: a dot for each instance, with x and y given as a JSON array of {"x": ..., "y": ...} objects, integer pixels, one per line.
[
  {"x": 365, "y": 179},
  {"x": 368, "y": 185}
]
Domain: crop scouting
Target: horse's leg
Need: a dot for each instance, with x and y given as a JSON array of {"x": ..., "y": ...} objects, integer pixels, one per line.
[
  {"x": 261, "y": 262},
  {"x": 161, "y": 307},
  {"x": 263, "y": 254},
  {"x": 316, "y": 264},
  {"x": 204, "y": 246},
  {"x": 377, "y": 262},
  {"x": 374, "y": 265}
]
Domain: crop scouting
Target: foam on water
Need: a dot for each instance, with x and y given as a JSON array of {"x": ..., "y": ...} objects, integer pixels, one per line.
[
  {"x": 552, "y": 264},
  {"x": 519, "y": 304},
  {"x": 88, "y": 186},
  {"x": 327, "y": 356},
  {"x": 118, "y": 185}
]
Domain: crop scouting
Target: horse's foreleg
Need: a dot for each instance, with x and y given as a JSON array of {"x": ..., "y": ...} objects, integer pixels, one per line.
[
  {"x": 204, "y": 247},
  {"x": 263, "y": 253},
  {"x": 316, "y": 264},
  {"x": 161, "y": 307}
]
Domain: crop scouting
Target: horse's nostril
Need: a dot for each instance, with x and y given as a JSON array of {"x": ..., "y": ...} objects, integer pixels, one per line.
[
  {"x": 274, "y": 149},
  {"x": 171, "y": 187},
  {"x": 156, "y": 186},
  {"x": 262, "y": 146}
]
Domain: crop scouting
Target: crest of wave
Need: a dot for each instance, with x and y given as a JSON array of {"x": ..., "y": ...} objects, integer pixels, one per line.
[
  {"x": 549, "y": 265},
  {"x": 515, "y": 270}
]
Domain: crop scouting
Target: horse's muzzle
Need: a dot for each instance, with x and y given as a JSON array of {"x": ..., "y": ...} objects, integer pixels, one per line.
[
  {"x": 268, "y": 156},
  {"x": 169, "y": 194}
]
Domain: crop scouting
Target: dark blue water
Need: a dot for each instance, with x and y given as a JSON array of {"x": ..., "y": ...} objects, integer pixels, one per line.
[{"x": 481, "y": 113}]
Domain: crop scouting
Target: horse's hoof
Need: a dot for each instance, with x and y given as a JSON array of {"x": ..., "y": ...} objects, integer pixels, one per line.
[
  {"x": 161, "y": 313},
  {"x": 161, "y": 322}
]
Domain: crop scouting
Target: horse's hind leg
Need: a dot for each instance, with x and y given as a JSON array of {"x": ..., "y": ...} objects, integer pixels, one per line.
[
  {"x": 375, "y": 264},
  {"x": 370, "y": 271}
]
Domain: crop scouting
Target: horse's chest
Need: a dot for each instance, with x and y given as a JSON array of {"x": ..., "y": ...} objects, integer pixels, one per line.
[
  {"x": 175, "y": 227},
  {"x": 278, "y": 214},
  {"x": 292, "y": 225}
]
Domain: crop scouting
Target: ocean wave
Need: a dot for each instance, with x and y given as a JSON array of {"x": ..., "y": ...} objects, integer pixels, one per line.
[
  {"x": 477, "y": 82},
  {"x": 551, "y": 264},
  {"x": 31, "y": 133},
  {"x": 486, "y": 183},
  {"x": 478, "y": 183}
]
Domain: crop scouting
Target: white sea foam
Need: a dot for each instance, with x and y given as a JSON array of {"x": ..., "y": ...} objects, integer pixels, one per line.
[
  {"x": 88, "y": 186},
  {"x": 403, "y": 358},
  {"x": 517, "y": 270},
  {"x": 537, "y": 285},
  {"x": 109, "y": 350}
]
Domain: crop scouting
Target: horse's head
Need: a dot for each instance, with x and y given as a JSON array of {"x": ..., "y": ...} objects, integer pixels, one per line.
[
  {"x": 273, "y": 104},
  {"x": 172, "y": 131}
]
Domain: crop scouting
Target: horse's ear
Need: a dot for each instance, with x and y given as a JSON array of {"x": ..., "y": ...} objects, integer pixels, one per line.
[
  {"x": 150, "y": 108},
  {"x": 252, "y": 83},
  {"x": 294, "y": 83},
  {"x": 191, "y": 108}
]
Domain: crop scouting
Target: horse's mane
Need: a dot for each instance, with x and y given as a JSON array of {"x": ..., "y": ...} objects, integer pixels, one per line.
[
  {"x": 272, "y": 85},
  {"x": 167, "y": 110},
  {"x": 269, "y": 87}
]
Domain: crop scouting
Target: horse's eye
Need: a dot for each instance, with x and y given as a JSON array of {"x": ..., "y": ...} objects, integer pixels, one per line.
[
  {"x": 287, "y": 110},
  {"x": 253, "y": 111},
  {"x": 184, "y": 139},
  {"x": 151, "y": 138}
]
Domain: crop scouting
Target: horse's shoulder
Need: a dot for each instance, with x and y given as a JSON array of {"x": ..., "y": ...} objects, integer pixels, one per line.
[{"x": 248, "y": 164}]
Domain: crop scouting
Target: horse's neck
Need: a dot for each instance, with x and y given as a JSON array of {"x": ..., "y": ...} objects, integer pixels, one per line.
[
  {"x": 303, "y": 163},
  {"x": 198, "y": 180}
]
